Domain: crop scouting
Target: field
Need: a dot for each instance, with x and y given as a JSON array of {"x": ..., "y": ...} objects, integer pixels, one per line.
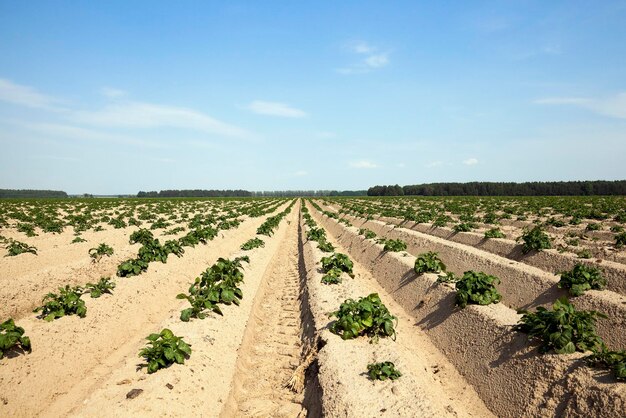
[{"x": 295, "y": 307}]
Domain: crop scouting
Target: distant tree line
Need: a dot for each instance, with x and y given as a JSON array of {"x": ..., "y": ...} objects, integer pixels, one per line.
[
  {"x": 548, "y": 188},
  {"x": 196, "y": 193},
  {"x": 31, "y": 194},
  {"x": 246, "y": 193}
]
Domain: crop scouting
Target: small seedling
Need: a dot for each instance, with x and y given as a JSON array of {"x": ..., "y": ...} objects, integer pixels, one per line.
[
  {"x": 163, "y": 350},
  {"x": 383, "y": 371}
]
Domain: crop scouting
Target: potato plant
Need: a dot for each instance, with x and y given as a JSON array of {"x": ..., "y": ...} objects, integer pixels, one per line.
[
  {"x": 366, "y": 316},
  {"x": 395, "y": 245},
  {"x": 218, "y": 284},
  {"x": 428, "y": 262},
  {"x": 252, "y": 244},
  {"x": 163, "y": 350},
  {"x": 16, "y": 248},
  {"x": 494, "y": 233},
  {"x": 67, "y": 302},
  {"x": 100, "y": 251},
  {"x": 383, "y": 371},
  {"x": 104, "y": 285},
  {"x": 582, "y": 278},
  {"x": 338, "y": 261},
  {"x": 613, "y": 360},
  {"x": 477, "y": 288},
  {"x": 12, "y": 338},
  {"x": 534, "y": 239},
  {"x": 562, "y": 329}
]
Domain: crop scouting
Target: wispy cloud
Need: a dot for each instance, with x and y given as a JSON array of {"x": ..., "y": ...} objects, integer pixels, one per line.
[
  {"x": 148, "y": 115},
  {"x": 363, "y": 164},
  {"x": 83, "y": 134},
  {"x": 119, "y": 114},
  {"x": 275, "y": 109},
  {"x": 300, "y": 173},
  {"x": 112, "y": 93},
  {"x": 26, "y": 96},
  {"x": 470, "y": 161},
  {"x": 434, "y": 164},
  {"x": 374, "y": 58},
  {"x": 614, "y": 106}
]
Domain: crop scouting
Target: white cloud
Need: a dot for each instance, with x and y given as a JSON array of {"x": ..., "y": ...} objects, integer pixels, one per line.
[
  {"x": 26, "y": 96},
  {"x": 614, "y": 106},
  {"x": 360, "y": 47},
  {"x": 112, "y": 93},
  {"x": 275, "y": 109},
  {"x": 374, "y": 59},
  {"x": 470, "y": 161},
  {"x": 363, "y": 164},
  {"x": 434, "y": 164},
  {"x": 148, "y": 115},
  {"x": 377, "y": 61},
  {"x": 82, "y": 134},
  {"x": 300, "y": 173}
]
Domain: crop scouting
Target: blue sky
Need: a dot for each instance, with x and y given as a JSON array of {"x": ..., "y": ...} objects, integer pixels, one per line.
[{"x": 118, "y": 96}]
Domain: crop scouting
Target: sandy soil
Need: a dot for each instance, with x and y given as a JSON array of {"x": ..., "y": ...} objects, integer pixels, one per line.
[
  {"x": 454, "y": 362},
  {"x": 71, "y": 355}
]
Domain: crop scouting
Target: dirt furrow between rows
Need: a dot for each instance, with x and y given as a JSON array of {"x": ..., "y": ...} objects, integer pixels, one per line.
[
  {"x": 198, "y": 388},
  {"x": 272, "y": 344},
  {"x": 71, "y": 355}
]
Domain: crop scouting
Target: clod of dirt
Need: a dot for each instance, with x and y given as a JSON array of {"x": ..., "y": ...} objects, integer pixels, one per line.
[
  {"x": 169, "y": 386},
  {"x": 133, "y": 393},
  {"x": 123, "y": 382}
]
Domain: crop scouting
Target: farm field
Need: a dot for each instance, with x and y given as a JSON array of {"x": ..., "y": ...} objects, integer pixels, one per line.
[{"x": 446, "y": 306}]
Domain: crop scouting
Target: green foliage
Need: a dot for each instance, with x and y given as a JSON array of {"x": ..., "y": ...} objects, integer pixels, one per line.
[
  {"x": 339, "y": 261},
  {"x": 104, "y": 285},
  {"x": 163, "y": 350},
  {"x": 16, "y": 248},
  {"x": 584, "y": 254},
  {"x": 28, "y": 229},
  {"x": 253, "y": 243},
  {"x": 383, "y": 371},
  {"x": 76, "y": 240},
  {"x": 394, "y": 245},
  {"x": 464, "y": 227},
  {"x": 218, "y": 284},
  {"x": 333, "y": 276},
  {"x": 581, "y": 278},
  {"x": 100, "y": 251},
  {"x": 12, "y": 337},
  {"x": 367, "y": 316},
  {"x": 477, "y": 288},
  {"x": 449, "y": 277},
  {"x": 429, "y": 263},
  {"x": 563, "y": 329},
  {"x": 534, "y": 239},
  {"x": 620, "y": 240},
  {"x": 494, "y": 233},
  {"x": 132, "y": 267},
  {"x": 368, "y": 234},
  {"x": 316, "y": 234},
  {"x": 67, "y": 302},
  {"x": 141, "y": 236},
  {"x": 325, "y": 246},
  {"x": 174, "y": 231},
  {"x": 614, "y": 360},
  {"x": 593, "y": 226}
]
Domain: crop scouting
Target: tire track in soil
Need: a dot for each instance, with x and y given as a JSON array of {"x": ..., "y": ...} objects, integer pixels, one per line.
[{"x": 272, "y": 345}]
